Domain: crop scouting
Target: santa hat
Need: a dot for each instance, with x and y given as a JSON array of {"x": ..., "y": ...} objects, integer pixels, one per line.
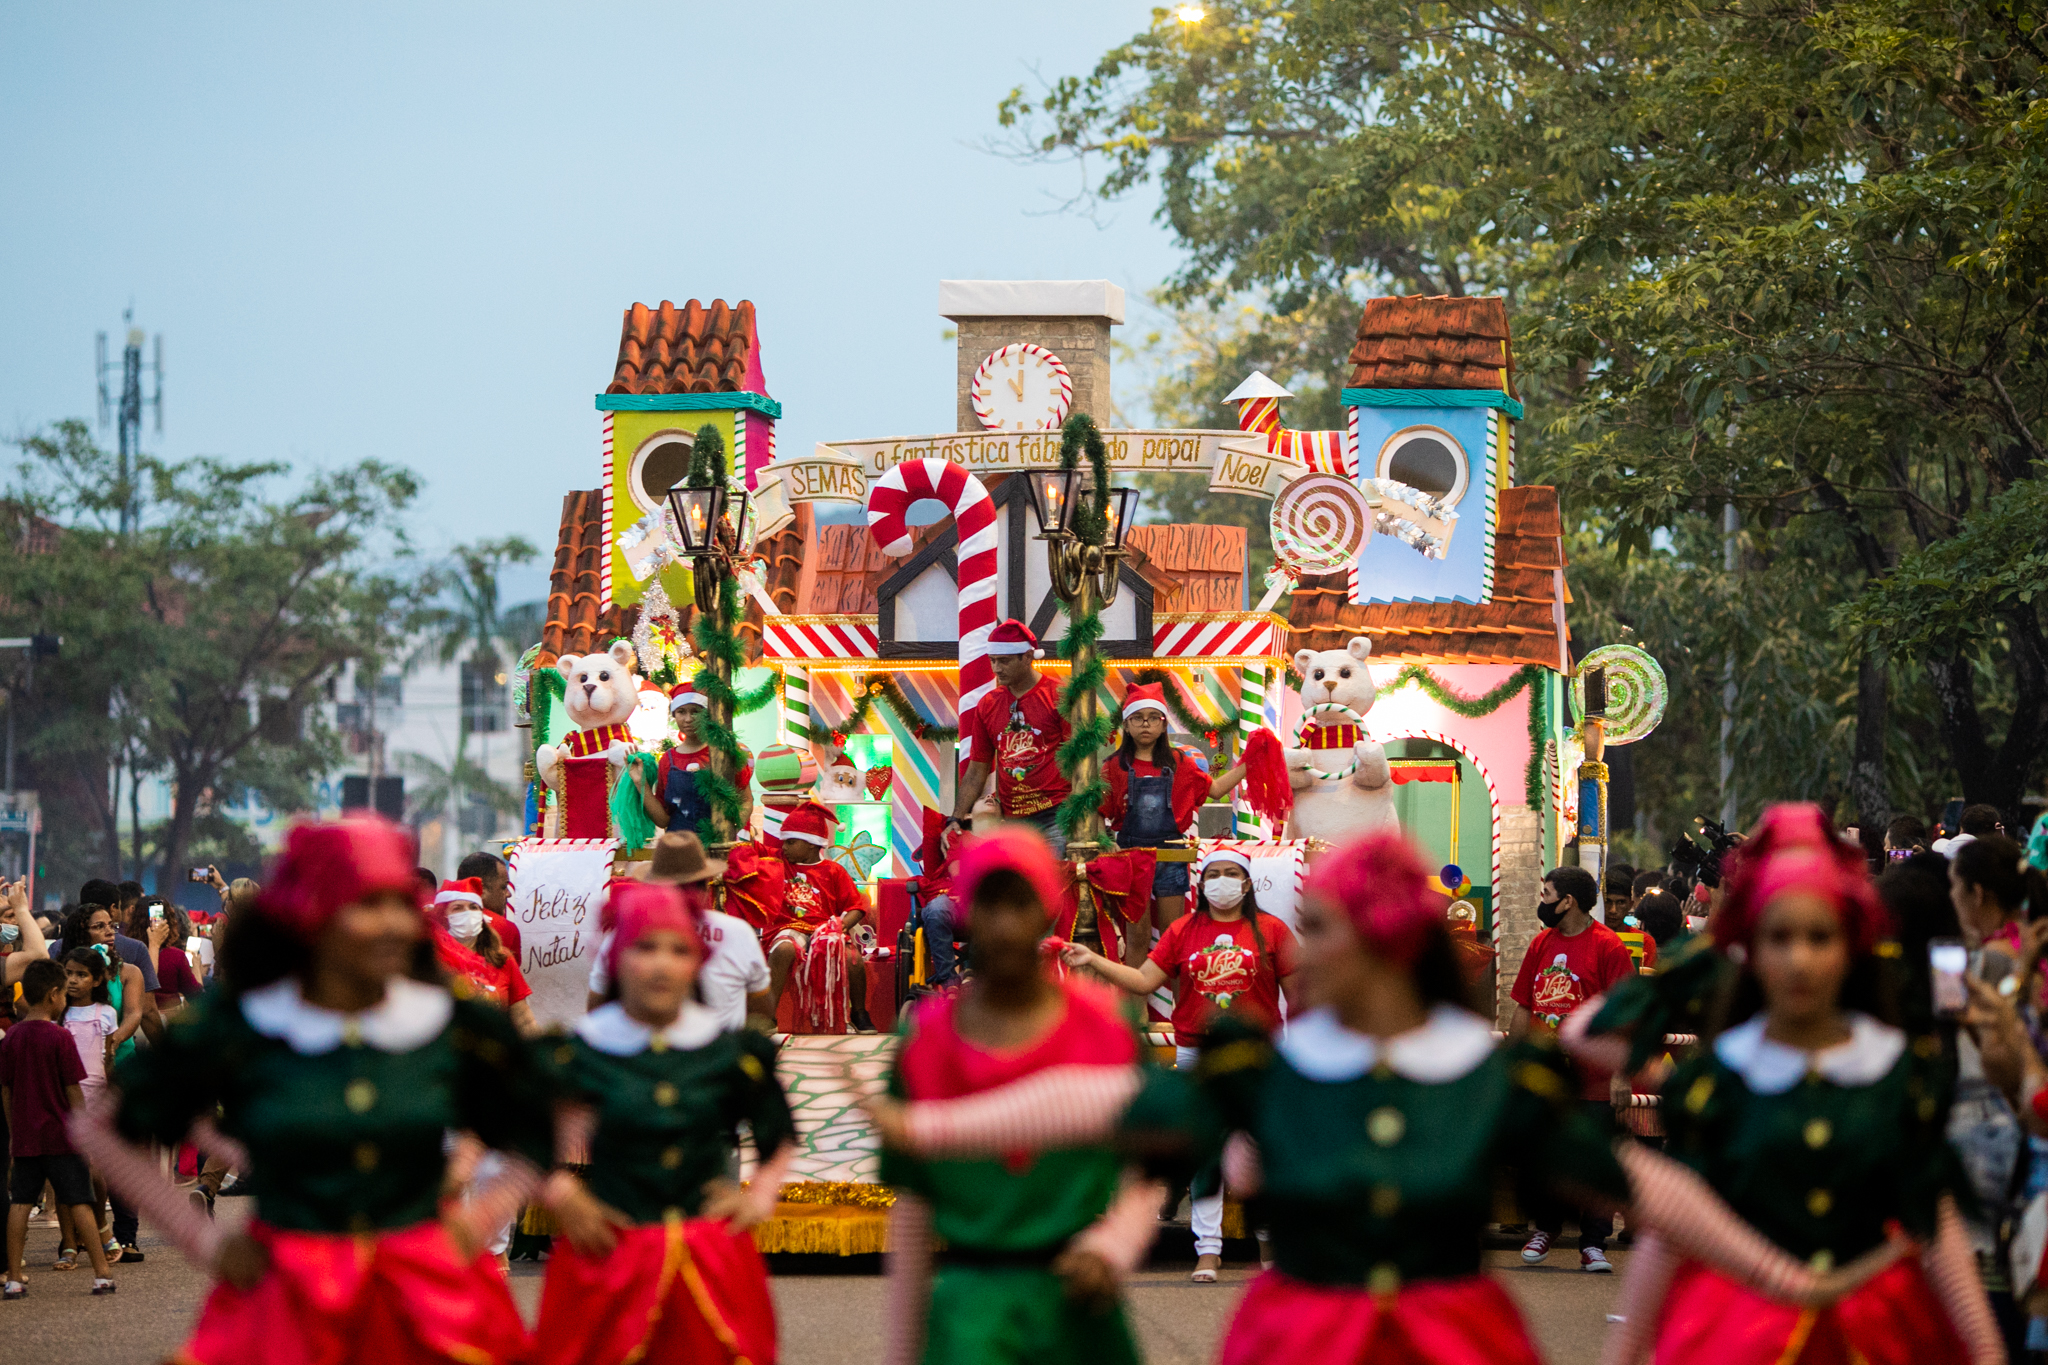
[
  {"x": 1145, "y": 697},
  {"x": 1223, "y": 857},
  {"x": 685, "y": 694},
  {"x": 1014, "y": 637},
  {"x": 811, "y": 823},
  {"x": 470, "y": 891}
]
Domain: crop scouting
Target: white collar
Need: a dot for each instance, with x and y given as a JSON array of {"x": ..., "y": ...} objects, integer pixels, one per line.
[
  {"x": 411, "y": 1014},
  {"x": 1448, "y": 1046},
  {"x": 609, "y": 1029},
  {"x": 1772, "y": 1068}
]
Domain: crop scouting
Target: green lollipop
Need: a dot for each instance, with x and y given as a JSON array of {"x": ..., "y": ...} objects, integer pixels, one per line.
[{"x": 1636, "y": 691}]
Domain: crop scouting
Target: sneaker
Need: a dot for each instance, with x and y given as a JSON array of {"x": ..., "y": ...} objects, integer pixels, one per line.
[
  {"x": 235, "y": 1189},
  {"x": 1536, "y": 1248},
  {"x": 103, "y": 1287},
  {"x": 131, "y": 1254},
  {"x": 15, "y": 1290},
  {"x": 1594, "y": 1261},
  {"x": 201, "y": 1199}
]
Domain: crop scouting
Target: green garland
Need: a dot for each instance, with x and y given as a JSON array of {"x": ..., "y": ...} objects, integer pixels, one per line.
[
  {"x": 1084, "y": 740},
  {"x": 717, "y": 641},
  {"x": 1528, "y": 675},
  {"x": 1090, "y": 520},
  {"x": 883, "y": 686},
  {"x": 1189, "y": 722}
]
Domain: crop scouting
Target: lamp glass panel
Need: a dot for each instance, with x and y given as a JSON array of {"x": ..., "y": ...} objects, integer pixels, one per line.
[
  {"x": 696, "y": 510},
  {"x": 1122, "y": 511}
]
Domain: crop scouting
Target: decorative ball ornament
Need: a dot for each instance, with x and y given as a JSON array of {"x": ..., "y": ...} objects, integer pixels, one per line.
[
  {"x": 1319, "y": 522},
  {"x": 1307, "y": 713},
  {"x": 1636, "y": 691},
  {"x": 1021, "y": 387}
]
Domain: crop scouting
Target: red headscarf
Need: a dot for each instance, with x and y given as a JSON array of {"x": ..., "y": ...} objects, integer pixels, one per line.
[
  {"x": 1010, "y": 848},
  {"x": 640, "y": 908},
  {"x": 1795, "y": 848},
  {"x": 1381, "y": 886},
  {"x": 326, "y": 866}
]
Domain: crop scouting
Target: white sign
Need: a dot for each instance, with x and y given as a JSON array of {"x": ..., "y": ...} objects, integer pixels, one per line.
[
  {"x": 1009, "y": 451},
  {"x": 1244, "y": 467},
  {"x": 557, "y": 891},
  {"x": 826, "y": 476}
]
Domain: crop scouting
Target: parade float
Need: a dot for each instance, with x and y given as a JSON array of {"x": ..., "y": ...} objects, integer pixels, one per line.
[{"x": 1410, "y": 649}]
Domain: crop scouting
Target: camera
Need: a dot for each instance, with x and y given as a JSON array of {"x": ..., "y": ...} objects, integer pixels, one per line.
[{"x": 1697, "y": 864}]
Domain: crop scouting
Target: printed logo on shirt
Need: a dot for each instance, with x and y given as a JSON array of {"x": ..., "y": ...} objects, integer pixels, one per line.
[
  {"x": 804, "y": 898},
  {"x": 1557, "y": 992},
  {"x": 1223, "y": 971}
]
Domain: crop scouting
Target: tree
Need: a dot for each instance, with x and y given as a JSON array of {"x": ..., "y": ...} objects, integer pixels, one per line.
[
  {"x": 1784, "y": 256},
  {"x": 217, "y": 623}
]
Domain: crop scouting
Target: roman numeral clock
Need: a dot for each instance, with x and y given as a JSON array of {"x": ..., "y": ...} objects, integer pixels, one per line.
[{"x": 1021, "y": 387}]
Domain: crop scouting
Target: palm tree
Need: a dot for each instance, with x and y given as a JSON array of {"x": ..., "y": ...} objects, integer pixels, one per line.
[{"x": 444, "y": 791}]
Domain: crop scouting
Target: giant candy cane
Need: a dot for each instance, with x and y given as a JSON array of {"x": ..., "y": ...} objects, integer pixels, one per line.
[{"x": 974, "y": 515}]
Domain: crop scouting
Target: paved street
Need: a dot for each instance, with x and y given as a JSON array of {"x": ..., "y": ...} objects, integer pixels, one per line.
[{"x": 827, "y": 1319}]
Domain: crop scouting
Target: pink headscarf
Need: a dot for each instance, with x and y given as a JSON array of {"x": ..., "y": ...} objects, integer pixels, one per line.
[
  {"x": 325, "y": 866},
  {"x": 638, "y": 908},
  {"x": 1381, "y": 886},
  {"x": 1010, "y": 848},
  {"x": 1795, "y": 848}
]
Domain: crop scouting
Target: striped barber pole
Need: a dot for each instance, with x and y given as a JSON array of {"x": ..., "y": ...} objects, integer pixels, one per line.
[
  {"x": 1251, "y": 715},
  {"x": 1255, "y": 636},
  {"x": 891, "y": 497},
  {"x": 796, "y": 708},
  {"x": 1324, "y": 452},
  {"x": 819, "y": 637}
]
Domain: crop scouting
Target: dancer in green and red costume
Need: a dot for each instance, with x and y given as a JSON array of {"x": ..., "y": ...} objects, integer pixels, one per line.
[
  {"x": 655, "y": 1264},
  {"x": 1812, "y": 1122},
  {"x": 1037, "y": 1235},
  {"x": 336, "y": 1062}
]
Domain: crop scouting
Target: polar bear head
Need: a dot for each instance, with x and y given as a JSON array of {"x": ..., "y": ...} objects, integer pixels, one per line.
[
  {"x": 601, "y": 688},
  {"x": 1338, "y": 675}
]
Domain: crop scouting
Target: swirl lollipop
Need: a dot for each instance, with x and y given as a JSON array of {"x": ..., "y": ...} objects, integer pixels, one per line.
[
  {"x": 1319, "y": 522},
  {"x": 1636, "y": 691}
]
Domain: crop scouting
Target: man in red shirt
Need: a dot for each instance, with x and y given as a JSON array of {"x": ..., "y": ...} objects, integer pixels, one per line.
[
  {"x": 495, "y": 881},
  {"x": 1016, "y": 732},
  {"x": 818, "y": 890},
  {"x": 1573, "y": 959}
]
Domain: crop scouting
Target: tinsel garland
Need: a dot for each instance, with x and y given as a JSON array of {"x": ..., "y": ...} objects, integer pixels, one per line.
[
  {"x": 845, "y": 1193},
  {"x": 656, "y": 610},
  {"x": 718, "y": 642},
  {"x": 1528, "y": 675},
  {"x": 1088, "y": 739},
  {"x": 884, "y": 687}
]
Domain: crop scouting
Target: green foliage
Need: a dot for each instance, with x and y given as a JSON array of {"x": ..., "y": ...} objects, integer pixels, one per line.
[
  {"x": 1083, "y": 739},
  {"x": 707, "y": 458},
  {"x": 1089, "y": 519},
  {"x": 1788, "y": 257},
  {"x": 1958, "y": 594}
]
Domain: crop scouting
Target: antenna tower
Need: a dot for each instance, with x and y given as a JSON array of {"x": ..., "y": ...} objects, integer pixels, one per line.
[{"x": 130, "y": 411}]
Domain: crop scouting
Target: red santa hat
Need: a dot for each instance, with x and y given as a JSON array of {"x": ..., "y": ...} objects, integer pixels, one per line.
[
  {"x": 811, "y": 823},
  {"x": 685, "y": 694},
  {"x": 469, "y": 891},
  {"x": 326, "y": 866},
  {"x": 1223, "y": 857},
  {"x": 1145, "y": 697},
  {"x": 1014, "y": 637}
]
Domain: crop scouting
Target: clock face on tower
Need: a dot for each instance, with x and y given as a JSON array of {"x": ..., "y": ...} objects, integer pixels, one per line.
[{"x": 1021, "y": 387}]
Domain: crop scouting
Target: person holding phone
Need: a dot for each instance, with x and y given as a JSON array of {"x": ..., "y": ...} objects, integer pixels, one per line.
[{"x": 164, "y": 930}]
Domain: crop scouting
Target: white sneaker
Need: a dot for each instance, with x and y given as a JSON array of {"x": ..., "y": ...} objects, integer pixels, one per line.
[
  {"x": 1536, "y": 1248},
  {"x": 1594, "y": 1262}
]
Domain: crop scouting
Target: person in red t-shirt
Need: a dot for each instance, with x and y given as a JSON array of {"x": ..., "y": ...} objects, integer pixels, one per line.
[
  {"x": 818, "y": 891},
  {"x": 42, "y": 1084},
  {"x": 1015, "y": 732},
  {"x": 1572, "y": 959},
  {"x": 496, "y": 880},
  {"x": 469, "y": 949},
  {"x": 676, "y": 801},
  {"x": 1228, "y": 955}
]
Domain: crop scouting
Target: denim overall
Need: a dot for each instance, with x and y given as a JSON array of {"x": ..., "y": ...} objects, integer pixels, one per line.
[
  {"x": 687, "y": 807},
  {"x": 1148, "y": 823}
]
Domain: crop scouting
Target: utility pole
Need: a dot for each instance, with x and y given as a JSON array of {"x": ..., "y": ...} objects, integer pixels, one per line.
[
  {"x": 1731, "y": 528},
  {"x": 130, "y": 408}
]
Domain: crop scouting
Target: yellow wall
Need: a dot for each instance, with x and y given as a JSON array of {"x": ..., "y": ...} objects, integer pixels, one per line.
[{"x": 630, "y": 431}]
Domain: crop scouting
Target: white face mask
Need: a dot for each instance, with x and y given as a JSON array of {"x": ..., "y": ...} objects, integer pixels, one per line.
[
  {"x": 466, "y": 924},
  {"x": 1223, "y": 892}
]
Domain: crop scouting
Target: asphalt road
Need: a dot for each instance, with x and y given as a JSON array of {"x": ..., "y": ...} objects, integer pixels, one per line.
[{"x": 826, "y": 1319}]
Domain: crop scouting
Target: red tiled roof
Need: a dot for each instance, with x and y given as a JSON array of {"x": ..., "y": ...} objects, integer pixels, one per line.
[
  {"x": 1523, "y": 624},
  {"x": 1434, "y": 342},
  {"x": 692, "y": 349},
  {"x": 1192, "y": 568}
]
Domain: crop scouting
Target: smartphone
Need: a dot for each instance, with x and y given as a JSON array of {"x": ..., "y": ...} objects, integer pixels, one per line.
[
  {"x": 156, "y": 914},
  {"x": 200, "y": 874},
  {"x": 1947, "y": 961}
]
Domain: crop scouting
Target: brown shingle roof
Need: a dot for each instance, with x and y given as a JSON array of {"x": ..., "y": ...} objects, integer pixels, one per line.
[
  {"x": 692, "y": 349},
  {"x": 1523, "y": 624},
  {"x": 1193, "y": 568},
  {"x": 1433, "y": 343}
]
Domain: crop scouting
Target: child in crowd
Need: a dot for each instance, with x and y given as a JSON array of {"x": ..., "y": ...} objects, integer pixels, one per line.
[
  {"x": 41, "y": 1085},
  {"x": 95, "y": 1027}
]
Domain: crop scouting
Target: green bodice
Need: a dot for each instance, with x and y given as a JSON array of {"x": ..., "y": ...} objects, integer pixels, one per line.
[
  {"x": 667, "y": 1117},
  {"x": 347, "y": 1140}
]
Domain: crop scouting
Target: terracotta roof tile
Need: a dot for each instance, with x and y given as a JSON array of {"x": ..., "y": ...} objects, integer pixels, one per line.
[
  {"x": 577, "y": 622},
  {"x": 692, "y": 349},
  {"x": 1519, "y": 626},
  {"x": 1434, "y": 342}
]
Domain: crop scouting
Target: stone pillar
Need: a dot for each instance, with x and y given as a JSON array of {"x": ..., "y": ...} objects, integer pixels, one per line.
[
  {"x": 1070, "y": 318},
  {"x": 1514, "y": 899}
]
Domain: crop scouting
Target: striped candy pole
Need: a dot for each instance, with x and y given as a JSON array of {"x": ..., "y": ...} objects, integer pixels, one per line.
[
  {"x": 1251, "y": 714},
  {"x": 796, "y": 708},
  {"x": 974, "y": 516},
  {"x": 1261, "y": 415}
]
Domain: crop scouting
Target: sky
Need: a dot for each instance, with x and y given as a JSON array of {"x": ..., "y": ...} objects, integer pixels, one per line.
[{"x": 409, "y": 232}]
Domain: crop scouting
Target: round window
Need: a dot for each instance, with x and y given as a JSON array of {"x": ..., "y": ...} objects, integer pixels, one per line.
[
  {"x": 662, "y": 463},
  {"x": 1427, "y": 458}
]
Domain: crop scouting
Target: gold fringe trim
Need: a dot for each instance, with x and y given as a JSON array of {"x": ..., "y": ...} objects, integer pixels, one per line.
[
  {"x": 812, "y": 1229},
  {"x": 843, "y": 1193}
]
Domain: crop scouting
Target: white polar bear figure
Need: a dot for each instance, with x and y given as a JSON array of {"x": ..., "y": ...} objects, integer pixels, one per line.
[
  {"x": 602, "y": 692},
  {"x": 1338, "y": 809}
]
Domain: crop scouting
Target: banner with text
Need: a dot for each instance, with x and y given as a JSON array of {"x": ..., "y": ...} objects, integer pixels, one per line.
[
  {"x": 557, "y": 891},
  {"x": 1002, "y": 452}
]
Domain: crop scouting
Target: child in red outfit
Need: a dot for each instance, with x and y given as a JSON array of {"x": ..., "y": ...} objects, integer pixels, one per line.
[{"x": 807, "y": 932}]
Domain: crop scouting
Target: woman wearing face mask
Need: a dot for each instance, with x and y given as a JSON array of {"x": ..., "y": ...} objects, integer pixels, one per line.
[
  {"x": 1155, "y": 788},
  {"x": 473, "y": 955},
  {"x": 335, "y": 1061},
  {"x": 1228, "y": 956},
  {"x": 653, "y": 1233},
  {"x": 1813, "y": 1121}
]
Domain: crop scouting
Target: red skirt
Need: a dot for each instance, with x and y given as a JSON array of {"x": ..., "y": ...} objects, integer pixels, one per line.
[
  {"x": 393, "y": 1298},
  {"x": 1894, "y": 1319},
  {"x": 1466, "y": 1321},
  {"x": 677, "y": 1293}
]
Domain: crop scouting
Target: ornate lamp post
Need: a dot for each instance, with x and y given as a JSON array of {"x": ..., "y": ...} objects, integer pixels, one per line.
[{"x": 709, "y": 526}]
